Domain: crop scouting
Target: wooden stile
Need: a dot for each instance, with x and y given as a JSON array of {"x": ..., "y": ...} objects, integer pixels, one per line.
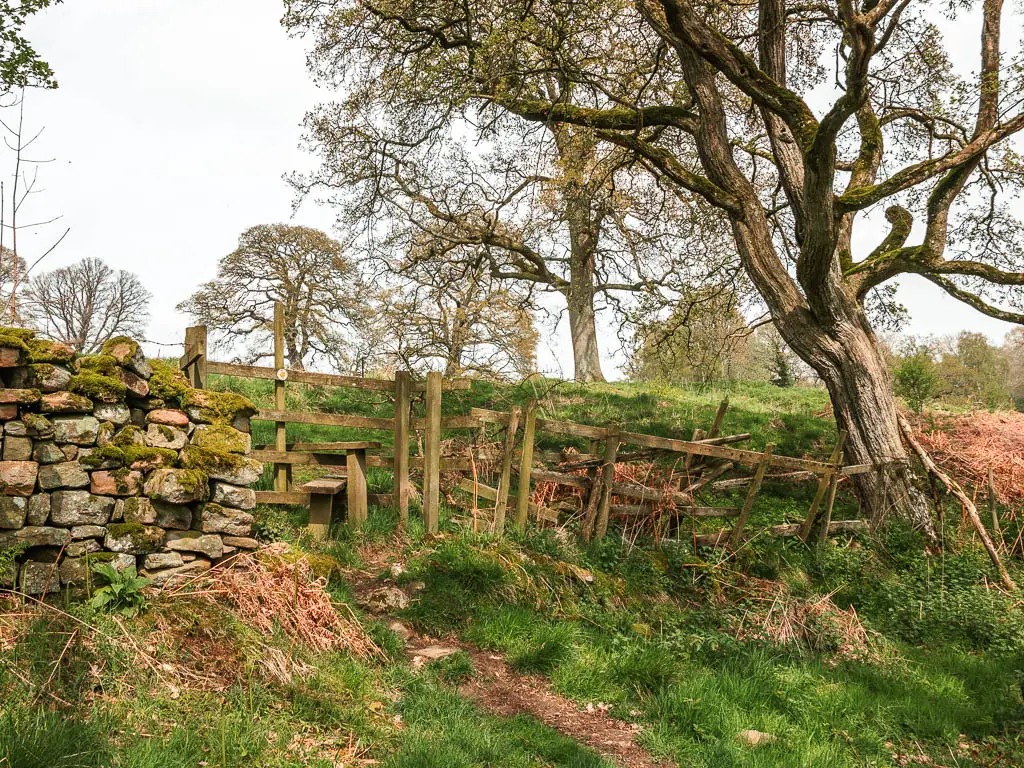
[
  {"x": 403, "y": 383},
  {"x": 432, "y": 454},
  {"x": 748, "y": 504},
  {"x": 505, "y": 481},
  {"x": 525, "y": 465}
]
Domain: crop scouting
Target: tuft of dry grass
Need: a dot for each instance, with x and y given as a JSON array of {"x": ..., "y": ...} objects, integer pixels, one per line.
[{"x": 273, "y": 590}]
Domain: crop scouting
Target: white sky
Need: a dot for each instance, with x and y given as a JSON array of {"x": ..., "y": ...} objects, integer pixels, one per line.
[{"x": 173, "y": 125}]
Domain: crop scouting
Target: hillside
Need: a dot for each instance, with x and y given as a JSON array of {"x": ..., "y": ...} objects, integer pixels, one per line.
[{"x": 552, "y": 653}]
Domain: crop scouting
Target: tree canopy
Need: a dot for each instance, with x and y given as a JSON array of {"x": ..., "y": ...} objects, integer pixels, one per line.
[{"x": 324, "y": 299}]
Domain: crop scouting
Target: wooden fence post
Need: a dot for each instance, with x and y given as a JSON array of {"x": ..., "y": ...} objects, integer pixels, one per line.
[
  {"x": 355, "y": 462},
  {"x": 593, "y": 498},
  {"x": 193, "y": 362},
  {"x": 402, "y": 387},
  {"x": 992, "y": 503},
  {"x": 505, "y": 481},
  {"x": 611, "y": 449},
  {"x": 748, "y": 504},
  {"x": 281, "y": 471},
  {"x": 824, "y": 485},
  {"x": 432, "y": 454},
  {"x": 525, "y": 465}
]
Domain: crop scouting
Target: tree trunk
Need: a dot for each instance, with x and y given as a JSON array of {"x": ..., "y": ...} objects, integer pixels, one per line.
[
  {"x": 583, "y": 214},
  {"x": 849, "y": 362},
  {"x": 583, "y": 330}
]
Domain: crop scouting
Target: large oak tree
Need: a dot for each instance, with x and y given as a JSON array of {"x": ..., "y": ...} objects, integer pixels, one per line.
[
  {"x": 547, "y": 207},
  {"x": 718, "y": 99}
]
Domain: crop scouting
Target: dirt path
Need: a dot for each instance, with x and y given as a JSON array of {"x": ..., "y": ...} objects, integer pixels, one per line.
[{"x": 500, "y": 690}]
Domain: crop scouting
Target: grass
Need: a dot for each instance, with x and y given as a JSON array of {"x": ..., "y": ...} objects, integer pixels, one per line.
[{"x": 915, "y": 660}]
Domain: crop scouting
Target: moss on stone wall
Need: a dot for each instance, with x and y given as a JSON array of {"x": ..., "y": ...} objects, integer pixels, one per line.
[
  {"x": 98, "y": 387},
  {"x": 167, "y": 382}
]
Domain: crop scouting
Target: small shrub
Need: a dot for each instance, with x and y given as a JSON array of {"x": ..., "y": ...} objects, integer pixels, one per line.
[{"x": 123, "y": 591}]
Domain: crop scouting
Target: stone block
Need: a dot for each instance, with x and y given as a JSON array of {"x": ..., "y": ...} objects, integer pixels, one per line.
[
  {"x": 77, "y": 430},
  {"x": 88, "y": 532},
  {"x": 163, "y": 436},
  {"x": 13, "y": 395},
  {"x": 133, "y": 538},
  {"x": 240, "y": 542},
  {"x": 194, "y": 541},
  {"x": 226, "y": 467},
  {"x": 13, "y": 511},
  {"x": 18, "y": 478},
  {"x": 222, "y": 438},
  {"x": 36, "y": 578},
  {"x": 218, "y": 519},
  {"x": 38, "y": 509},
  {"x": 42, "y": 377},
  {"x": 116, "y": 413},
  {"x": 167, "y": 416},
  {"x": 47, "y": 453},
  {"x": 77, "y": 571},
  {"x": 68, "y": 474},
  {"x": 17, "y": 448},
  {"x": 161, "y": 560},
  {"x": 128, "y": 354},
  {"x": 172, "y": 576},
  {"x": 118, "y": 482},
  {"x": 233, "y": 496},
  {"x": 69, "y": 508},
  {"x": 83, "y": 547},
  {"x": 177, "y": 486},
  {"x": 35, "y": 536},
  {"x": 65, "y": 402}
]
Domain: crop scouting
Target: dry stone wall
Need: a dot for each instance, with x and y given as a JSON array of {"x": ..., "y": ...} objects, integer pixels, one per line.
[{"x": 114, "y": 458}]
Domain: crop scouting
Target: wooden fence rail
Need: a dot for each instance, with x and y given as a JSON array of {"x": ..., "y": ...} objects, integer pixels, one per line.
[{"x": 514, "y": 458}]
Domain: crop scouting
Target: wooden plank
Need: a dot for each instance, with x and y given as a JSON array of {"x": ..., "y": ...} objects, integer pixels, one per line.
[
  {"x": 650, "y": 494},
  {"x": 356, "y": 490},
  {"x": 639, "y": 510},
  {"x": 452, "y": 422},
  {"x": 786, "y": 477},
  {"x": 326, "y": 379},
  {"x": 344, "y": 445},
  {"x": 544, "y": 425},
  {"x": 403, "y": 382},
  {"x": 280, "y": 427},
  {"x": 737, "y": 455},
  {"x": 505, "y": 479},
  {"x": 823, "y": 486},
  {"x": 560, "y": 478},
  {"x": 432, "y": 454},
  {"x": 716, "y": 425},
  {"x": 324, "y": 485},
  {"x": 710, "y": 473},
  {"x": 277, "y": 497},
  {"x": 611, "y": 448},
  {"x": 325, "y": 419},
  {"x": 525, "y": 465},
  {"x": 446, "y": 385},
  {"x": 301, "y": 377},
  {"x": 448, "y": 463},
  {"x": 491, "y": 494},
  {"x": 283, "y": 458},
  {"x": 748, "y": 504}
]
